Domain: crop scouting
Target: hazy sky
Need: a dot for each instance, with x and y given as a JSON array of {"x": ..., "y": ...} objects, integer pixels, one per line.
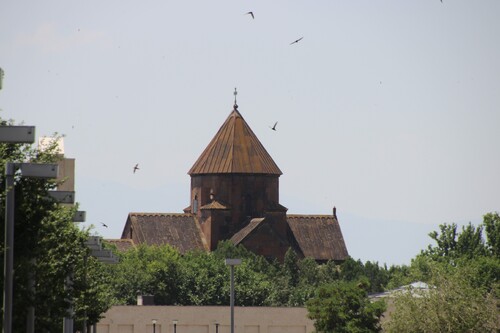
[{"x": 388, "y": 110}]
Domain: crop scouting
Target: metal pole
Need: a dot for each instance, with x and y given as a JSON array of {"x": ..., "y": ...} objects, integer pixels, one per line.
[
  {"x": 85, "y": 286},
  {"x": 30, "y": 322},
  {"x": 232, "y": 298},
  {"x": 9, "y": 248}
]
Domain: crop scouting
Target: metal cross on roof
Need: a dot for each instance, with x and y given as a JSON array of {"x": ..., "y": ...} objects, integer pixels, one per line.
[{"x": 235, "y": 93}]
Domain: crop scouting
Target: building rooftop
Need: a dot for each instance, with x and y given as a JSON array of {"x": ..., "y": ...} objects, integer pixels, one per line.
[{"x": 235, "y": 149}]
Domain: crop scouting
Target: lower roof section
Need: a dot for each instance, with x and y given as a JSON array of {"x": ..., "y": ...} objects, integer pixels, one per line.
[
  {"x": 180, "y": 231},
  {"x": 318, "y": 236}
]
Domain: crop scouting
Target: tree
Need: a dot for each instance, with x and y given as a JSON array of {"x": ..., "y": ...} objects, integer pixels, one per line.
[
  {"x": 465, "y": 249},
  {"x": 93, "y": 291},
  {"x": 204, "y": 279},
  {"x": 452, "y": 244},
  {"x": 291, "y": 268},
  {"x": 344, "y": 307},
  {"x": 451, "y": 304},
  {"x": 351, "y": 270},
  {"x": 48, "y": 247},
  {"x": 492, "y": 226},
  {"x": 463, "y": 272},
  {"x": 147, "y": 270}
]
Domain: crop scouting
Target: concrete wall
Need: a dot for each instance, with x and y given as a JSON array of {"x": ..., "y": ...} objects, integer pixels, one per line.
[
  {"x": 66, "y": 173},
  {"x": 202, "y": 319}
]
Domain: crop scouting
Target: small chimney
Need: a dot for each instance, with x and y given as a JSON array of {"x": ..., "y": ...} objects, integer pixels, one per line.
[
  {"x": 335, "y": 212},
  {"x": 145, "y": 300}
]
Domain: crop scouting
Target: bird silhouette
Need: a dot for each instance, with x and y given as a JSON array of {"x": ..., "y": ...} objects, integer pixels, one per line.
[
  {"x": 136, "y": 167},
  {"x": 296, "y": 41},
  {"x": 104, "y": 225},
  {"x": 251, "y": 13},
  {"x": 274, "y": 126}
]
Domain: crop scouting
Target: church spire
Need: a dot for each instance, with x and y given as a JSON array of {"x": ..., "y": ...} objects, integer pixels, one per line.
[{"x": 235, "y": 149}]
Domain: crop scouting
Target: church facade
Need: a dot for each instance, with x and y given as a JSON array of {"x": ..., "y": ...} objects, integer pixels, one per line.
[{"x": 235, "y": 196}]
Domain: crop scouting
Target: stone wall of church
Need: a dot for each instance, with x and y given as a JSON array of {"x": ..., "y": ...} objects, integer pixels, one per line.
[{"x": 247, "y": 195}]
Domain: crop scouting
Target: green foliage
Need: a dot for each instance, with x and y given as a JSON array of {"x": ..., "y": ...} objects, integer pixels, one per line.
[
  {"x": 252, "y": 287},
  {"x": 204, "y": 279},
  {"x": 463, "y": 250},
  {"x": 201, "y": 278},
  {"x": 452, "y": 244},
  {"x": 93, "y": 293},
  {"x": 344, "y": 307},
  {"x": 464, "y": 273},
  {"x": 351, "y": 270},
  {"x": 291, "y": 268},
  {"x": 492, "y": 226},
  {"x": 48, "y": 247},
  {"x": 146, "y": 270},
  {"x": 197, "y": 278},
  {"x": 451, "y": 304}
]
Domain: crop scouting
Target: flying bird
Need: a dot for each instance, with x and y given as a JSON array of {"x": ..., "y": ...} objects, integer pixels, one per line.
[
  {"x": 296, "y": 41},
  {"x": 251, "y": 13},
  {"x": 136, "y": 167},
  {"x": 274, "y": 126},
  {"x": 104, "y": 225}
]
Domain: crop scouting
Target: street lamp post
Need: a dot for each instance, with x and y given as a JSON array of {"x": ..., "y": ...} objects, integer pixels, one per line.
[
  {"x": 216, "y": 327},
  {"x": 27, "y": 170},
  {"x": 154, "y": 325},
  {"x": 231, "y": 263},
  {"x": 175, "y": 325}
]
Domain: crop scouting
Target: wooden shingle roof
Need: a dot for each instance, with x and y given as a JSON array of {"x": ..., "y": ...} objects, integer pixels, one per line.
[
  {"x": 318, "y": 236},
  {"x": 181, "y": 231},
  {"x": 235, "y": 149}
]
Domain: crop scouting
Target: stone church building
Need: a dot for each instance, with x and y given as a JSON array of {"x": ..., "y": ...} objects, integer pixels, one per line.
[{"x": 235, "y": 196}]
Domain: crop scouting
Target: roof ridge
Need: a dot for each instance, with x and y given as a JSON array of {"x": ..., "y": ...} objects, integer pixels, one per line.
[
  {"x": 158, "y": 214},
  {"x": 310, "y": 216}
]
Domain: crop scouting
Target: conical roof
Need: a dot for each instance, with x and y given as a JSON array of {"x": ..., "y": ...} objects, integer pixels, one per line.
[{"x": 235, "y": 149}]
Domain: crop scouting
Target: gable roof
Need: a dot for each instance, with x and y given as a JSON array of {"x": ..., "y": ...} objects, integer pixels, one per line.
[
  {"x": 247, "y": 230},
  {"x": 215, "y": 205},
  {"x": 181, "y": 231},
  {"x": 272, "y": 206},
  {"x": 235, "y": 149},
  {"x": 318, "y": 236}
]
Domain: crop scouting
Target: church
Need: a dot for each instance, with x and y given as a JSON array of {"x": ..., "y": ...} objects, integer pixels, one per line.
[{"x": 235, "y": 196}]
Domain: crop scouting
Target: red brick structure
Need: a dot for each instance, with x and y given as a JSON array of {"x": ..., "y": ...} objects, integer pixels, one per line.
[{"x": 235, "y": 195}]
